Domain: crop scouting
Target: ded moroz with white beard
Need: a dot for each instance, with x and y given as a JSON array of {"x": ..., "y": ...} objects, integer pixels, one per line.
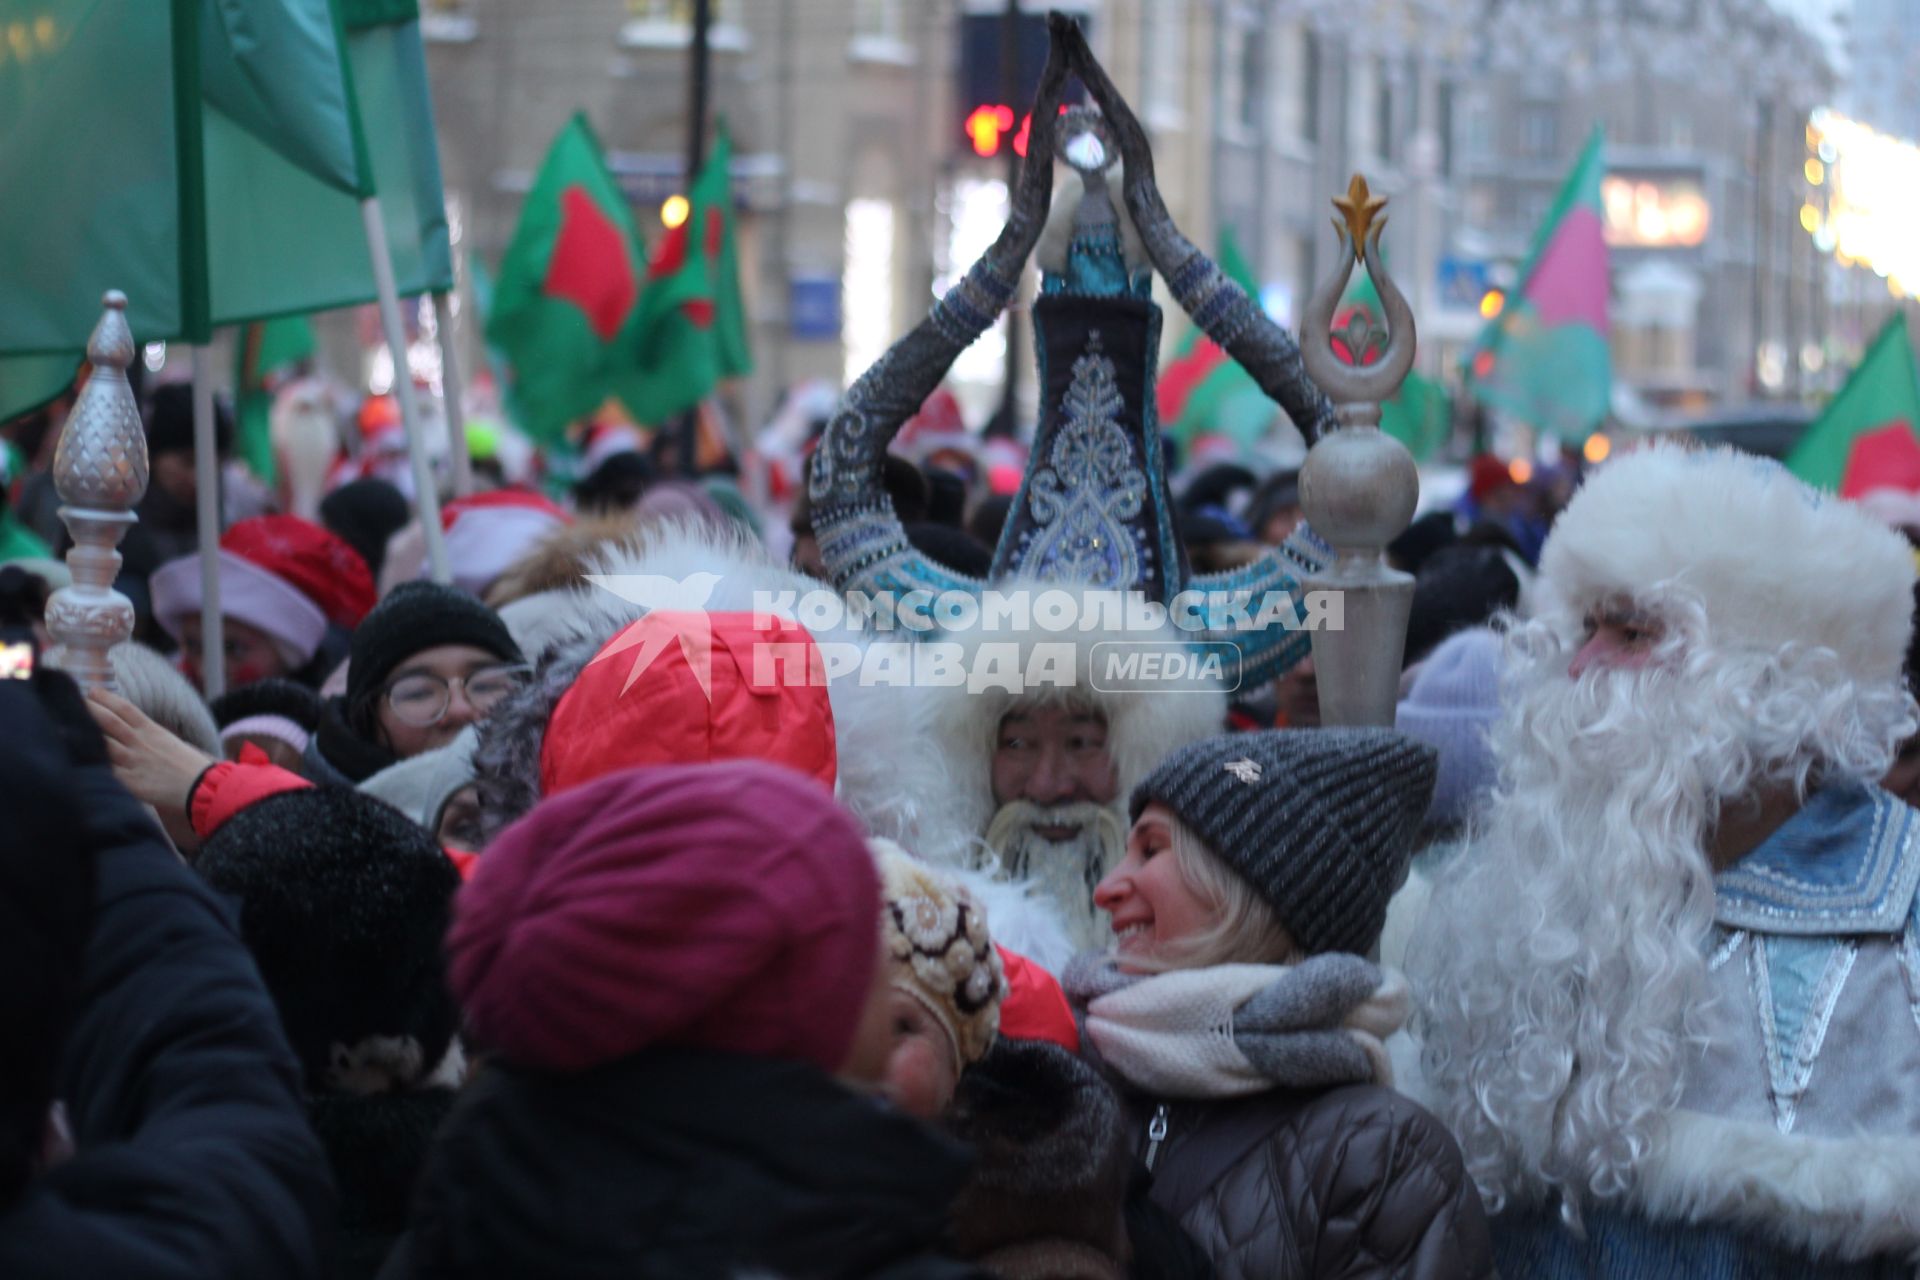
[{"x": 1670, "y": 994}]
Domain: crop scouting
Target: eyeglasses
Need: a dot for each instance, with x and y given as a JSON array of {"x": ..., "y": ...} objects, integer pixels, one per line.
[{"x": 422, "y": 699}]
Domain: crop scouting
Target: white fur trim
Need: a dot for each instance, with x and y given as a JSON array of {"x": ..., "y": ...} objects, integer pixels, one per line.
[
  {"x": 1145, "y": 721},
  {"x": 248, "y": 594},
  {"x": 1844, "y": 1197},
  {"x": 891, "y": 769},
  {"x": 483, "y": 541},
  {"x": 1774, "y": 562}
]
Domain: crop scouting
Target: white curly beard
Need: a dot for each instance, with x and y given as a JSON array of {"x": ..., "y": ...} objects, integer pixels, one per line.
[
  {"x": 1562, "y": 957},
  {"x": 1065, "y": 871}
]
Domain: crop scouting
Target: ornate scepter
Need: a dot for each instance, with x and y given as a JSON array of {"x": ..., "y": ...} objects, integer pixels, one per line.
[
  {"x": 100, "y": 473},
  {"x": 1359, "y": 486}
]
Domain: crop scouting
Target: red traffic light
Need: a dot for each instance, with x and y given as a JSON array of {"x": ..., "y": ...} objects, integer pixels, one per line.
[{"x": 984, "y": 127}]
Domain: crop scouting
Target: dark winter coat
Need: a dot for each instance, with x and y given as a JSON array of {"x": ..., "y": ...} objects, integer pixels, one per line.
[
  {"x": 376, "y": 1145},
  {"x": 1356, "y": 1181},
  {"x": 194, "y": 1157},
  {"x": 683, "y": 1164},
  {"x": 1053, "y": 1191}
]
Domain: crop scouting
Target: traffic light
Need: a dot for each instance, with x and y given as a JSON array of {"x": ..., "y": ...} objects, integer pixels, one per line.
[{"x": 985, "y": 125}]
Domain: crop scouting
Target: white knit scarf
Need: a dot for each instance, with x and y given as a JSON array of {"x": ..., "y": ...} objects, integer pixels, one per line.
[{"x": 1175, "y": 1034}]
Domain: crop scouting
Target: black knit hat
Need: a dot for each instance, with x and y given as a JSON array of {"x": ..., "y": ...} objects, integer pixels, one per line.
[
  {"x": 365, "y": 514},
  {"x": 343, "y": 903},
  {"x": 417, "y": 616},
  {"x": 269, "y": 697},
  {"x": 170, "y": 421},
  {"x": 1319, "y": 821}
]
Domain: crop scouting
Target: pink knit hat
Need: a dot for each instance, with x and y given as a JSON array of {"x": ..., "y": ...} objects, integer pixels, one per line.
[{"x": 722, "y": 906}]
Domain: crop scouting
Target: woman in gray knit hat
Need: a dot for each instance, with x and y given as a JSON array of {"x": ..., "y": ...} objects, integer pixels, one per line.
[{"x": 1246, "y": 1027}]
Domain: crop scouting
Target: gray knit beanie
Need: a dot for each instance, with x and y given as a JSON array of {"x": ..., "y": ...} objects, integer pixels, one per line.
[{"x": 1319, "y": 821}]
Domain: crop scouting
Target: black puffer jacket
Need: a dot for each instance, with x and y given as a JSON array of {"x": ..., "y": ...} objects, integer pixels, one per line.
[
  {"x": 193, "y": 1156},
  {"x": 683, "y": 1164},
  {"x": 1356, "y": 1181}
]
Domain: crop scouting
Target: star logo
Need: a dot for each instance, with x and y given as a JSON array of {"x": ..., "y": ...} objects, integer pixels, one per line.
[
  {"x": 676, "y": 614},
  {"x": 1248, "y": 771}
]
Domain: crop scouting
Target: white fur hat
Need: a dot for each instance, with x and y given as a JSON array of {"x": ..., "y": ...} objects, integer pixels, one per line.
[{"x": 1773, "y": 562}]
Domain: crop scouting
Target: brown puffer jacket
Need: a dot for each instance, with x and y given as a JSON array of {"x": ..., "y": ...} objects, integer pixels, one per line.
[{"x": 1312, "y": 1184}]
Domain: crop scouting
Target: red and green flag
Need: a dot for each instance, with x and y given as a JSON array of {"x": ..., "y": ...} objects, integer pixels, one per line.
[
  {"x": 1544, "y": 359},
  {"x": 1864, "y": 440},
  {"x": 692, "y": 328},
  {"x": 1420, "y": 415},
  {"x": 565, "y": 307},
  {"x": 1203, "y": 390}
]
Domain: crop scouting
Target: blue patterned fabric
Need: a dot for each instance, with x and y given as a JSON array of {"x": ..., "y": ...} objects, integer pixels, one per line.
[
  {"x": 1847, "y": 863},
  {"x": 1622, "y": 1246}
]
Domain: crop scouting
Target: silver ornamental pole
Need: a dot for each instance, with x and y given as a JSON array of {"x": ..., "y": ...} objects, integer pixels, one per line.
[
  {"x": 100, "y": 473},
  {"x": 1359, "y": 486}
]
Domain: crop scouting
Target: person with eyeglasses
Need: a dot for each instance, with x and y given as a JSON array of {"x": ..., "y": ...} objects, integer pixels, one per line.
[{"x": 427, "y": 662}]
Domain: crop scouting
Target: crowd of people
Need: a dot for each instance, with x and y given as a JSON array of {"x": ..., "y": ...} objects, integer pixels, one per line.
[{"x": 613, "y": 910}]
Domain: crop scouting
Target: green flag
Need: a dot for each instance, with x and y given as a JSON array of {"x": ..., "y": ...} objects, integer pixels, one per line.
[
  {"x": 224, "y": 167},
  {"x": 1545, "y": 357},
  {"x": 1858, "y": 442},
  {"x": 388, "y": 64},
  {"x": 691, "y": 327},
  {"x": 564, "y": 307}
]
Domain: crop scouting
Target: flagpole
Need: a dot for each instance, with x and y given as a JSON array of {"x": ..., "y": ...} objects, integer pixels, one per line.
[
  {"x": 455, "y": 401},
  {"x": 206, "y": 484},
  {"x": 425, "y": 492}
]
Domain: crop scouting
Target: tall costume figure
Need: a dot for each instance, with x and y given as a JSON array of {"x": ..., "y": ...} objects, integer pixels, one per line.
[
  {"x": 1041, "y": 775},
  {"x": 1671, "y": 987}
]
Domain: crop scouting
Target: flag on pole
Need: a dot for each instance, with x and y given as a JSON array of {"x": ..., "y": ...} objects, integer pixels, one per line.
[
  {"x": 1420, "y": 414},
  {"x": 1864, "y": 439},
  {"x": 230, "y": 132},
  {"x": 692, "y": 327},
  {"x": 564, "y": 308},
  {"x": 387, "y": 65},
  {"x": 1544, "y": 358}
]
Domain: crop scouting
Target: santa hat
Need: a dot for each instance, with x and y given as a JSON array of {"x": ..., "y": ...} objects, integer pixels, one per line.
[
  {"x": 285, "y": 576},
  {"x": 489, "y": 531},
  {"x": 1773, "y": 562},
  {"x": 606, "y": 440}
]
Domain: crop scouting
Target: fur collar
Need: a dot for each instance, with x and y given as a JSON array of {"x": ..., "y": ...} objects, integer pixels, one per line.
[{"x": 1835, "y": 1197}]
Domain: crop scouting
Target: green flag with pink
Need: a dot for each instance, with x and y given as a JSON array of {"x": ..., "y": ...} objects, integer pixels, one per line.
[{"x": 1544, "y": 359}]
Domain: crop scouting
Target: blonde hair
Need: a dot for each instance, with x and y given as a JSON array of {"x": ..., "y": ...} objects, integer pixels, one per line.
[{"x": 1245, "y": 928}]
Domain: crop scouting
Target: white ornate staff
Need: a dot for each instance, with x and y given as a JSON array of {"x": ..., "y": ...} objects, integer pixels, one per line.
[
  {"x": 100, "y": 472},
  {"x": 1359, "y": 486}
]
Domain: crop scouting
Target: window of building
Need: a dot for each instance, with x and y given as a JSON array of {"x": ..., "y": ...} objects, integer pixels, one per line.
[
  {"x": 1310, "y": 86},
  {"x": 1253, "y": 78},
  {"x": 1363, "y": 108},
  {"x": 1383, "y": 130},
  {"x": 1539, "y": 131},
  {"x": 1163, "y": 51},
  {"x": 1445, "y": 106},
  {"x": 656, "y": 24},
  {"x": 448, "y": 21},
  {"x": 880, "y": 33},
  {"x": 866, "y": 285}
]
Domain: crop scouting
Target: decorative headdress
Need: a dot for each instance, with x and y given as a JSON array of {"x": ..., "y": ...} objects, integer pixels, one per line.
[{"x": 1094, "y": 508}]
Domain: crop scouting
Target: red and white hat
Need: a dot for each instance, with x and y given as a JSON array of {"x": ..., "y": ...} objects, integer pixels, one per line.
[
  {"x": 489, "y": 531},
  {"x": 285, "y": 576}
]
